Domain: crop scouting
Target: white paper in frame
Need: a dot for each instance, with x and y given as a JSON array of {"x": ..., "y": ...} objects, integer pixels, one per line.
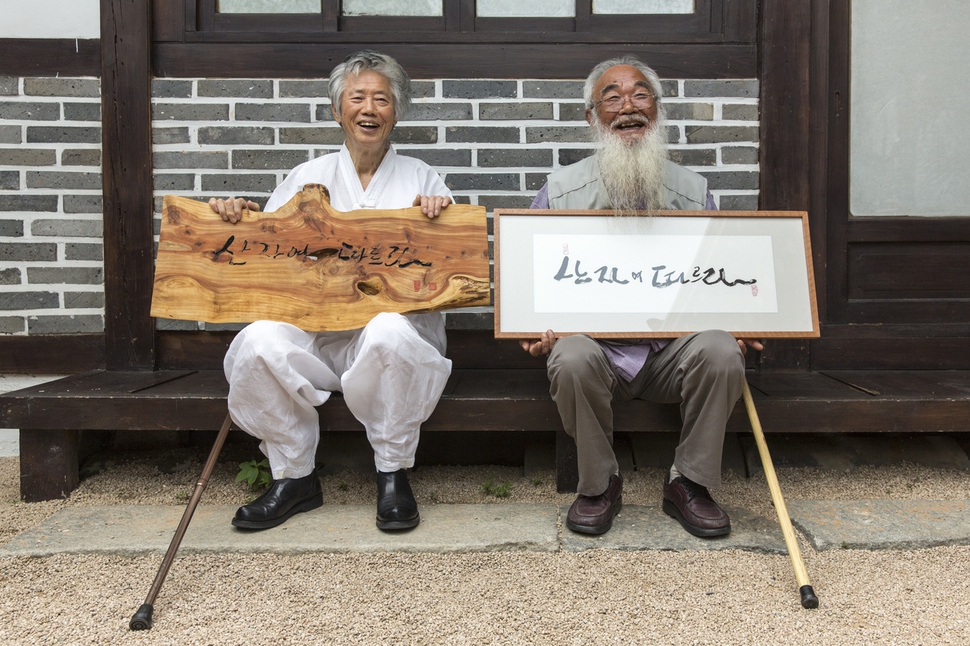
[{"x": 661, "y": 275}]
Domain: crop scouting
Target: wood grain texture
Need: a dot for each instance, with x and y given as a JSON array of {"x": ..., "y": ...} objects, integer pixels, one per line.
[
  {"x": 469, "y": 59},
  {"x": 126, "y": 168},
  {"x": 315, "y": 267},
  {"x": 50, "y": 57},
  {"x": 864, "y": 401}
]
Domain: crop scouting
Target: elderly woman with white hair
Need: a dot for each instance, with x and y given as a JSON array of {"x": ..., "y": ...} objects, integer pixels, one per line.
[{"x": 393, "y": 370}]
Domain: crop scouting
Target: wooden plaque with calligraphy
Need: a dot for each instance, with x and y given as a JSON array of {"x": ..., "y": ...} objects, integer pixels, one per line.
[{"x": 315, "y": 267}]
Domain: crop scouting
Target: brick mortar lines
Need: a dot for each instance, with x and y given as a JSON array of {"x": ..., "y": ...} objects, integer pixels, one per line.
[
  {"x": 19, "y": 134},
  {"x": 435, "y": 90},
  {"x": 441, "y": 128},
  {"x": 475, "y": 149}
]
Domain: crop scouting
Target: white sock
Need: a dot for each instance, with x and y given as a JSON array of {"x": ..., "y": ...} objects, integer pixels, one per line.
[{"x": 674, "y": 473}]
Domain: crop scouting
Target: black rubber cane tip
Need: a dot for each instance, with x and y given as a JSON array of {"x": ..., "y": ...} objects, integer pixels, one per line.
[
  {"x": 142, "y": 619},
  {"x": 809, "y": 600}
]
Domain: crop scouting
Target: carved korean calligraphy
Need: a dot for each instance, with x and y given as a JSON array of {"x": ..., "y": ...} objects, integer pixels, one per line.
[{"x": 315, "y": 267}]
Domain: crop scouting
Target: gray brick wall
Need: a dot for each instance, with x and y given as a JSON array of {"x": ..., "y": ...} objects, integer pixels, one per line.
[
  {"x": 51, "y": 252},
  {"x": 493, "y": 141},
  {"x": 489, "y": 139}
]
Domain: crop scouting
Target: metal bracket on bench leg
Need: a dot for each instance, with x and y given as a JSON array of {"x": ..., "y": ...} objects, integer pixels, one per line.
[
  {"x": 48, "y": 464},
  {"x": 567, "y": 471}
]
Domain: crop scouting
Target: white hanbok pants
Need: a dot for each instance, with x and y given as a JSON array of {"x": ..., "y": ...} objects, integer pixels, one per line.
[{"x": 391, "y": 373}]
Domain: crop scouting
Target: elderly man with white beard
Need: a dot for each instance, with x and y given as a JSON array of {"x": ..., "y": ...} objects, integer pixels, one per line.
[{"x": 702, "y": 372}]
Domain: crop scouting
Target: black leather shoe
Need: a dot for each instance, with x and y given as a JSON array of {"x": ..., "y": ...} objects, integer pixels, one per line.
[
  {"x": 396, "y": 506},
  {"x": 284, "y": 498}
]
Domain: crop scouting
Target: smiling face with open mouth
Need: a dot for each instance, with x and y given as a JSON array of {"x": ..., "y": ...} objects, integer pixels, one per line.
[
  {"x": 367, "y": 111},
  {"x": 624, "y": 103}
]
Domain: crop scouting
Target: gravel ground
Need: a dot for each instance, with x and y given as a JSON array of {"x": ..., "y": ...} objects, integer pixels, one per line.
[{"x": 597, "y": 597}]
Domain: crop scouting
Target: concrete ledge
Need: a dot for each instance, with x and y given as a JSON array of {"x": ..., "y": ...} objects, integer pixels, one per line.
[
  {"x": 882, "y": 524},
  {"x": 827, "y": 524},
  {"x": 646, "y": 527},
  {"x": 135, "y": 530}
]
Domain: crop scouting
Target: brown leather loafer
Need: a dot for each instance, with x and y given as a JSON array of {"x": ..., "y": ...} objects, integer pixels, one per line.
[
  {"x": 594, "y": 514},
  {"x": 692, "y": 505}
]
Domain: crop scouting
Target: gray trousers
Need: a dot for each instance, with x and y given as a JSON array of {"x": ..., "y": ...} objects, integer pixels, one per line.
[{"x": 703, "y": 372}]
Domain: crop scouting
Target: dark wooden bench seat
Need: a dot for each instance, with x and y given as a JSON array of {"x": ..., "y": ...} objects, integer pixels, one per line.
[{"x": 51, "y": 415}]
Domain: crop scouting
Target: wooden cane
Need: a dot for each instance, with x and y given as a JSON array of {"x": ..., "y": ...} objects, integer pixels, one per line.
[
  {"x": 142, "y": 619},
  {"x": 809, "y": 600}
]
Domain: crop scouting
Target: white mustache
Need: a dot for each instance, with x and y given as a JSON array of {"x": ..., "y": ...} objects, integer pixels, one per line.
[{"x": 628, "y": 119}]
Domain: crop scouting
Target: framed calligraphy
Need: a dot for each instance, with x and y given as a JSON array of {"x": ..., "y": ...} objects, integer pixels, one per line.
[{"x": 661, "y": 275}]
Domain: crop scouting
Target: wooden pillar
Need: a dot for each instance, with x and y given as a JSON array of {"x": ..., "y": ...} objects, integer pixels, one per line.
[
  {"x": 127, "y": 183},
  {"x": 785, "y": 48},
  {"x": 567, "y": 469},
  {"x": 48, "y": 464}
]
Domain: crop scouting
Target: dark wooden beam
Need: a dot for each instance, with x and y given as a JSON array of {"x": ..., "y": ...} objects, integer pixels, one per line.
[
  {"x": 57, "y": 354},
  {"x": 467, "y": 349},
  {"x": 908, "y": 229},
  {"x": 818, "y": 155},
  {"x": 836, "y": 164},
  {"x": 892, "y": 347},
  {"x": 49, "y": 466},
  {"x": 168, "y": 20},
  {"x": 785, "y": 49},
  {"x": 127, "y": 172},
  {"x": 50, "y": 57},
  {"x": 785, "y": 144},
  {"x": 451, "y": 60}
]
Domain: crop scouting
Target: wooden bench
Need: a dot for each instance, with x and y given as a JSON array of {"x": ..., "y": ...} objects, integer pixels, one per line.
[{"x": 494, "y": 387}]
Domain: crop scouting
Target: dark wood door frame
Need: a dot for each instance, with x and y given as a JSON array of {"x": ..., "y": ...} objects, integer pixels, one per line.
[
  {"x": 876, "y": 313},
  {"x": 876, "y": 319}
]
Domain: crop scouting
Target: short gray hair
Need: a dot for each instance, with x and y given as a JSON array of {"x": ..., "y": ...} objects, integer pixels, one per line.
[
  {"x": 632, "y": 61},
  {"x": 382, "y": 64}
]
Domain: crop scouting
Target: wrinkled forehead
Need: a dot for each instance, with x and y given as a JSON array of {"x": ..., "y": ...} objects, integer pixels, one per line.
[
  {"x": 368, "y": 81},
  {"x": 620, "y": 78}
]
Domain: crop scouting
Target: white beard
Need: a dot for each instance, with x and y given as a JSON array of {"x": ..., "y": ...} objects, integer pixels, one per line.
[{"x": 633, "y": 174}]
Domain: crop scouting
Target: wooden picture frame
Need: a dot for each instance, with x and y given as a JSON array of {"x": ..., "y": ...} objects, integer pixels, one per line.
[{"x": 661, "y": 275}]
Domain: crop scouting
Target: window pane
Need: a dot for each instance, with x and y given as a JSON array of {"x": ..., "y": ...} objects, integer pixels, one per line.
[
  {"x": 269, "y": 6},
  {"x": 392, "y": 7},
  {"x": 642, "y": 6},
  {"x": 909, "y": 141},
  {"x": 520, "y": 9}
]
